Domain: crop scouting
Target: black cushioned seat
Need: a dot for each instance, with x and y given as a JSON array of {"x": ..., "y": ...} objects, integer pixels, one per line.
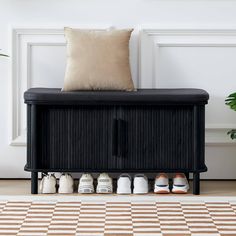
[{"x": 163, "y": 96}]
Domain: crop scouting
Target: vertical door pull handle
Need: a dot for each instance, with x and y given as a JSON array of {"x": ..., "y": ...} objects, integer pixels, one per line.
[
  {"x": 114, "y": 137},
  {"x": 120, "y": 138}
]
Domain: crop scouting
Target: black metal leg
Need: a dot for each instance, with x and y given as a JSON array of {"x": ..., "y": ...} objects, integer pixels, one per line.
[
  {"x": 196, "y": 183},
  {"x": 34, "y": 182}
]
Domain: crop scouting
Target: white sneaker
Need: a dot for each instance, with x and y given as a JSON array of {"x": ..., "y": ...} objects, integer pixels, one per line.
[
  {"x": 140, "y": 184},
  {"x": 66, "y": 184},
  {"x": 104, "y": 184},
  {"x": 180, "y": 184},
  {"x": 124, "y": 184},
  {"x": 161, "y": 184},
  {"x": 86, "y": 184},
  {"x": 48, "y": 184}
]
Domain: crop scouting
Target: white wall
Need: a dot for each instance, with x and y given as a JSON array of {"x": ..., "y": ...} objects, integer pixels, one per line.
[{"x": 207, "y": 61}]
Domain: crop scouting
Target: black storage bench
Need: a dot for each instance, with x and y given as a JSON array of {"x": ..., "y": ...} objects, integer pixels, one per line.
[{"x": 148, "y": 130}]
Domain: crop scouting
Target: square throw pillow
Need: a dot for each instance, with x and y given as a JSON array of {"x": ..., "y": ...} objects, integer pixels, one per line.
[{"x": 98, "y": 60}]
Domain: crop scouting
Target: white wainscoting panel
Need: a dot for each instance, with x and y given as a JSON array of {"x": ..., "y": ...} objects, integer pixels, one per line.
[
  {"x": 193, "y": 58},
  {"x": 38, "y": 60}
]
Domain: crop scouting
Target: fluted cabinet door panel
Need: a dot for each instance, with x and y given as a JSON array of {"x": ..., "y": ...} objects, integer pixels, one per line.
[
  {"x": 76, "y": 137},
  {"x": 157, "y": 137}
]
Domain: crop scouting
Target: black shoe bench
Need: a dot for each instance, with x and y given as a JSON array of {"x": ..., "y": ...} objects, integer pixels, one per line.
[{"x": 148, "y": 130}]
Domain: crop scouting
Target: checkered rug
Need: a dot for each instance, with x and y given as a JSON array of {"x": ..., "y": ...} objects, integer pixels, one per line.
[{"x": 117, "y": 218}]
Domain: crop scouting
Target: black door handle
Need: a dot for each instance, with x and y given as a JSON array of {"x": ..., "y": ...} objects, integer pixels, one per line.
[
  {"x": 121, "y": 124},
  {"x": 118, "y": 137},
  {"x": 114, "y": 137}
]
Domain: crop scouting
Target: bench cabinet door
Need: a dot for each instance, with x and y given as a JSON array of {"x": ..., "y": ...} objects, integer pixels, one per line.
[
  {"x": 78, "y": 138},
  {"x": 156, "y": 137}
]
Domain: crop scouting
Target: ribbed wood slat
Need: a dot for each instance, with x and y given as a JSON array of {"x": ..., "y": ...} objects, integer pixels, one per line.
[
  {"x": 79, "y": 138},
  {"x": 158, "y": 137}
]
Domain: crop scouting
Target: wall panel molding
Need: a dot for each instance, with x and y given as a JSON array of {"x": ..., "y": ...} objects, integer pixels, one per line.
[
  {"x": 152, "y": 40},
  {"x": 22, "y": 41}
]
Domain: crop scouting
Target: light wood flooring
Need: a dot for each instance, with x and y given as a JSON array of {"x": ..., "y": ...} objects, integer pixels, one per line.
[{"x": 208, "y": 188}]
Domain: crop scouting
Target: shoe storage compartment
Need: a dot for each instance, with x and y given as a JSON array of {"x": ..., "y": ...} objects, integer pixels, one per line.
[{"x": 142, "y": 131}]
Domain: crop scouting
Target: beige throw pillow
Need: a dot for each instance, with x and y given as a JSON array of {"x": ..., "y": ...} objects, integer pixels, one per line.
[{"x": 98, "y": 60}]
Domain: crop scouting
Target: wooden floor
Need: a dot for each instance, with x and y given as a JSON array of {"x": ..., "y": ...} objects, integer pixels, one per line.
[{"x": 208, "y": 188}]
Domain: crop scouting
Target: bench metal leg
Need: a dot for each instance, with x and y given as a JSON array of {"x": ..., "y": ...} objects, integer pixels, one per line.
[
  {"x": 34, "y": 182},
  {"x": 196, "y": 183}
]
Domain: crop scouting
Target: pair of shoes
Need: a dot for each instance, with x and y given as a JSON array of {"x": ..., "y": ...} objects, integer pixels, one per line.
[
  {"x": 48, "y": 184},
  {"x": 180, "y": 184},
  {"x": 140, "y": 184},
  {"x": 104, "y": 184}
]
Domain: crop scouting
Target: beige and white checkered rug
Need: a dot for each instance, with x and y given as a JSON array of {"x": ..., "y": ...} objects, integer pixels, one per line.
[{"x": 117, "y": 218}]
